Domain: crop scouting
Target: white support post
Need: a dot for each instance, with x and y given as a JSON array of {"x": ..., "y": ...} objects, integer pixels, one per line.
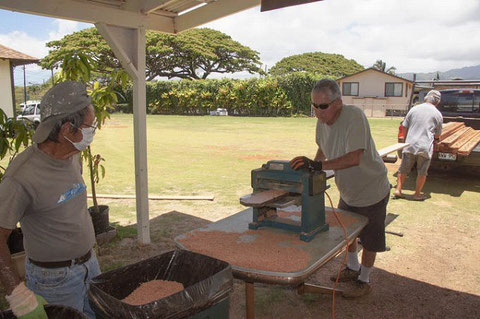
[
  {"x": 129, "y": 47},
  {"x": 140, "y": 134}
]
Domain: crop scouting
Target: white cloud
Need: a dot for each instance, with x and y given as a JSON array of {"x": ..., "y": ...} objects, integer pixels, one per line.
[
  {"x": 24, "y": 43},
  {"x": 64, "y": 27},
  {"x": 36, "y": 47},
  {"x": 413, "y": 35}
]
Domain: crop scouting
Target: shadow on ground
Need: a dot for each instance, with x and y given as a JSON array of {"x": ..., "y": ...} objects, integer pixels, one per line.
[
  {"x": 441, "y": 182},
  {"x": 393, "y": 296},
  {"x": 125, "y": 249}
]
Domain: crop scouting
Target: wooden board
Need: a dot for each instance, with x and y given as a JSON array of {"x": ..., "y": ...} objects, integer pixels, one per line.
[
  {"x": 467, "y": 148},
  {"x": 392, "y": 148},
  {"x": 455, "y": 136},
  {"x": 450, "y": 128},
  {"x": 153, "y": 197},
  {"x": 262, "y": 198},
  {"x": 463, "y": 139}
]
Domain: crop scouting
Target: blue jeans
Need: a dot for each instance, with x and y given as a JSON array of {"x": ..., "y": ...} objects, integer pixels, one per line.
[{"x": 67, "y": 286}]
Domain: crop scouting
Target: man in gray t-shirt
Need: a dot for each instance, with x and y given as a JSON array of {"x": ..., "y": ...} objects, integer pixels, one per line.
[
  {"x": 345, "y": 145},
  {"x": 43, "y": 189},
  {"x": 423, "y": 124}
]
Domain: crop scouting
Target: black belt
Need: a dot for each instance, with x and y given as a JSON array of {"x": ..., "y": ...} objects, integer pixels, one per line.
[{"x": 59, "y": 264}]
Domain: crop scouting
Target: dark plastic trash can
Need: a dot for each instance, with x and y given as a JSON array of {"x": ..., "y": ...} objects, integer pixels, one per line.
[
  {"x": 53, "y": 312},
  {"x": 208, "y": 283}
]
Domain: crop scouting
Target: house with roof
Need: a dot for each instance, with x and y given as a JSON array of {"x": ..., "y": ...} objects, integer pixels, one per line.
[
  {"x": 9, "y": 59},
  {"x": 378, "y": 93}
]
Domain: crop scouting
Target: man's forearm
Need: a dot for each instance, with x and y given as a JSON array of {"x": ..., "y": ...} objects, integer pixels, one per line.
[
  {"x": 348, "y": 160},
  {"x": 8, "y": 276},
  {"x": 319, "y": 157}
]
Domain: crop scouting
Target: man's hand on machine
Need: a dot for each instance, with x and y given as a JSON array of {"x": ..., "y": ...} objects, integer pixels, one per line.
[
  {"x": 300, "y": 162},
  {"x": 25, "y": 304}
]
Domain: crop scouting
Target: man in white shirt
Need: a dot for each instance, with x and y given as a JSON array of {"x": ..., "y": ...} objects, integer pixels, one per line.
[{"x": 423, "y": 125}]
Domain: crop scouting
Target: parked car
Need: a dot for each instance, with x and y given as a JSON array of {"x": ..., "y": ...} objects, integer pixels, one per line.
[
  {"x": 456, "y": 105},
  {"x": 219, "y": 112},
  {"x": 31, "y": 112}
]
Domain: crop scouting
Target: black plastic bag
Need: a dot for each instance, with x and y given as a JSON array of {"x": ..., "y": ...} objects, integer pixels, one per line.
[
  {"x": 207, "y": 281},
  {"x": 53, "y": 312},
  {"x": 15, "y": 241}
]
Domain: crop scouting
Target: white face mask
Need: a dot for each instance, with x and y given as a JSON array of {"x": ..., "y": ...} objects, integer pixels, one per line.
[{"x": 87, "y": 138}]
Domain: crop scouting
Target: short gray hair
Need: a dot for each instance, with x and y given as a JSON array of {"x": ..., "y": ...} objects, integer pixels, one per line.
[
  {"x": 76, "y": 119},
  {"x": 433, "y": 97},
  {"x": 328, "y": 86}
]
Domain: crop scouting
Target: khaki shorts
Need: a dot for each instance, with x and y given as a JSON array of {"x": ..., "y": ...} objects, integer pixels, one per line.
[
  {"x": 373, "y": 235},
  {"x": 408, "y": 160}
]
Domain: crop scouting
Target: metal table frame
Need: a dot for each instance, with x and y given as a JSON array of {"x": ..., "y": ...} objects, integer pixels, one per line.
[{"x": 323, "y": 248}]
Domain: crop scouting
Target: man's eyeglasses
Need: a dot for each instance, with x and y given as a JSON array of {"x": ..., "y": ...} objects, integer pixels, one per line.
[
  {"x": 94, "y": 125},
  {"x": 323, "y": 106}
]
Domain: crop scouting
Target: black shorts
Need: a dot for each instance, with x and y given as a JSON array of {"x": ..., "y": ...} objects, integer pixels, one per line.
[{"x": 373, "y": 235}]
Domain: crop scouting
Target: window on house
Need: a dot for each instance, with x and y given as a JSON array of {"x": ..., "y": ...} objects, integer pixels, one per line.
[
  {"x": 350, "y": 89},
  {"x": 394, "y": 89}
]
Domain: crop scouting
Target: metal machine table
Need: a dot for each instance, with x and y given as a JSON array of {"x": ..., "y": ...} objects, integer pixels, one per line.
[{"x": 322, "y": 248}]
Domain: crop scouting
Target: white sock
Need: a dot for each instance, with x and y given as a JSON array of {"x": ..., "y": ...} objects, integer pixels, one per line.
[
  {"x": 352, "y": 261},
  {"x": 365, "y": 274}
]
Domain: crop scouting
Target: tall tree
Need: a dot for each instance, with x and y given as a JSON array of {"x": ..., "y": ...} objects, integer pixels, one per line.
[
  {"x": 382, "y": 66},
  {"x": 334, "y": 65},
  {"x": 193, "y": 54}
]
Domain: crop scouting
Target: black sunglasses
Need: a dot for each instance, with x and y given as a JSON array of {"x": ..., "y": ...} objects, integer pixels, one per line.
[{"x": 323, "y": 106}]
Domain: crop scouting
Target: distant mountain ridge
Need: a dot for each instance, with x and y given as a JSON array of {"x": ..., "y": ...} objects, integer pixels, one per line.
[{"x": 465, "y": 73}]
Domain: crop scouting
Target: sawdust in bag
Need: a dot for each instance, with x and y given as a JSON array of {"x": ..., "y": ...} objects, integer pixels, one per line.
[
  {"x": 206, "y": 282},
  {"x": 153, "y": 290}
]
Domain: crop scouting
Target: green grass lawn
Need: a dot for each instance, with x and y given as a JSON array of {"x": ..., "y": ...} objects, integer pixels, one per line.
[{"x": 208, "y": 155}]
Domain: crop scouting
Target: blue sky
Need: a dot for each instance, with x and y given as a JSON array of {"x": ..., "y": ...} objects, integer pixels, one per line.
[
  {"x": 28, "y": 34},
  {"x": 412, "y": 35}
]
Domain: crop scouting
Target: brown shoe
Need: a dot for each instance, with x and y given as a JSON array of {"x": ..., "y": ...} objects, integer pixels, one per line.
[
  {"x": 359, "y": 289},
  {"x": 346, "y": 274}
]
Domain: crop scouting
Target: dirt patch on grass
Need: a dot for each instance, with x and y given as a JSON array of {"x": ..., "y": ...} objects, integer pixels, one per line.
[
  {"x": 118, "y": 126},
  {"x": 261, "y": 157}
]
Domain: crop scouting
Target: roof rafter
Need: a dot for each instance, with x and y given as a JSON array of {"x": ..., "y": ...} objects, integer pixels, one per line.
[
  {"x": 92, "y": 13},
  {"x": 210, "y": 12}
]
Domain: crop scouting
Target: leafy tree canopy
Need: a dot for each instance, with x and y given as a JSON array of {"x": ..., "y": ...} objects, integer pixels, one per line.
[
  {"x": 333, "y": 65},
  {"x": 193, "y": 54}
]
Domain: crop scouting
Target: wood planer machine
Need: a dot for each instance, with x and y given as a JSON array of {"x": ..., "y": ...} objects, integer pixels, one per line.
[{"x": 277, "y": 186}]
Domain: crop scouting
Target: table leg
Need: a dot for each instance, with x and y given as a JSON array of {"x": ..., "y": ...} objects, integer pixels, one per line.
[
  {"x": 316, "y": 289},
  {"x": 250, "y": 300}
]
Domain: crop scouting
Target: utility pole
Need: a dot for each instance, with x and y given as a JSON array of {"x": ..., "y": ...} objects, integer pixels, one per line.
[
  {"x": 53, "y": 82},
  {"x": 413, "y": 91},
  {"x": 24, "y": 86}
]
